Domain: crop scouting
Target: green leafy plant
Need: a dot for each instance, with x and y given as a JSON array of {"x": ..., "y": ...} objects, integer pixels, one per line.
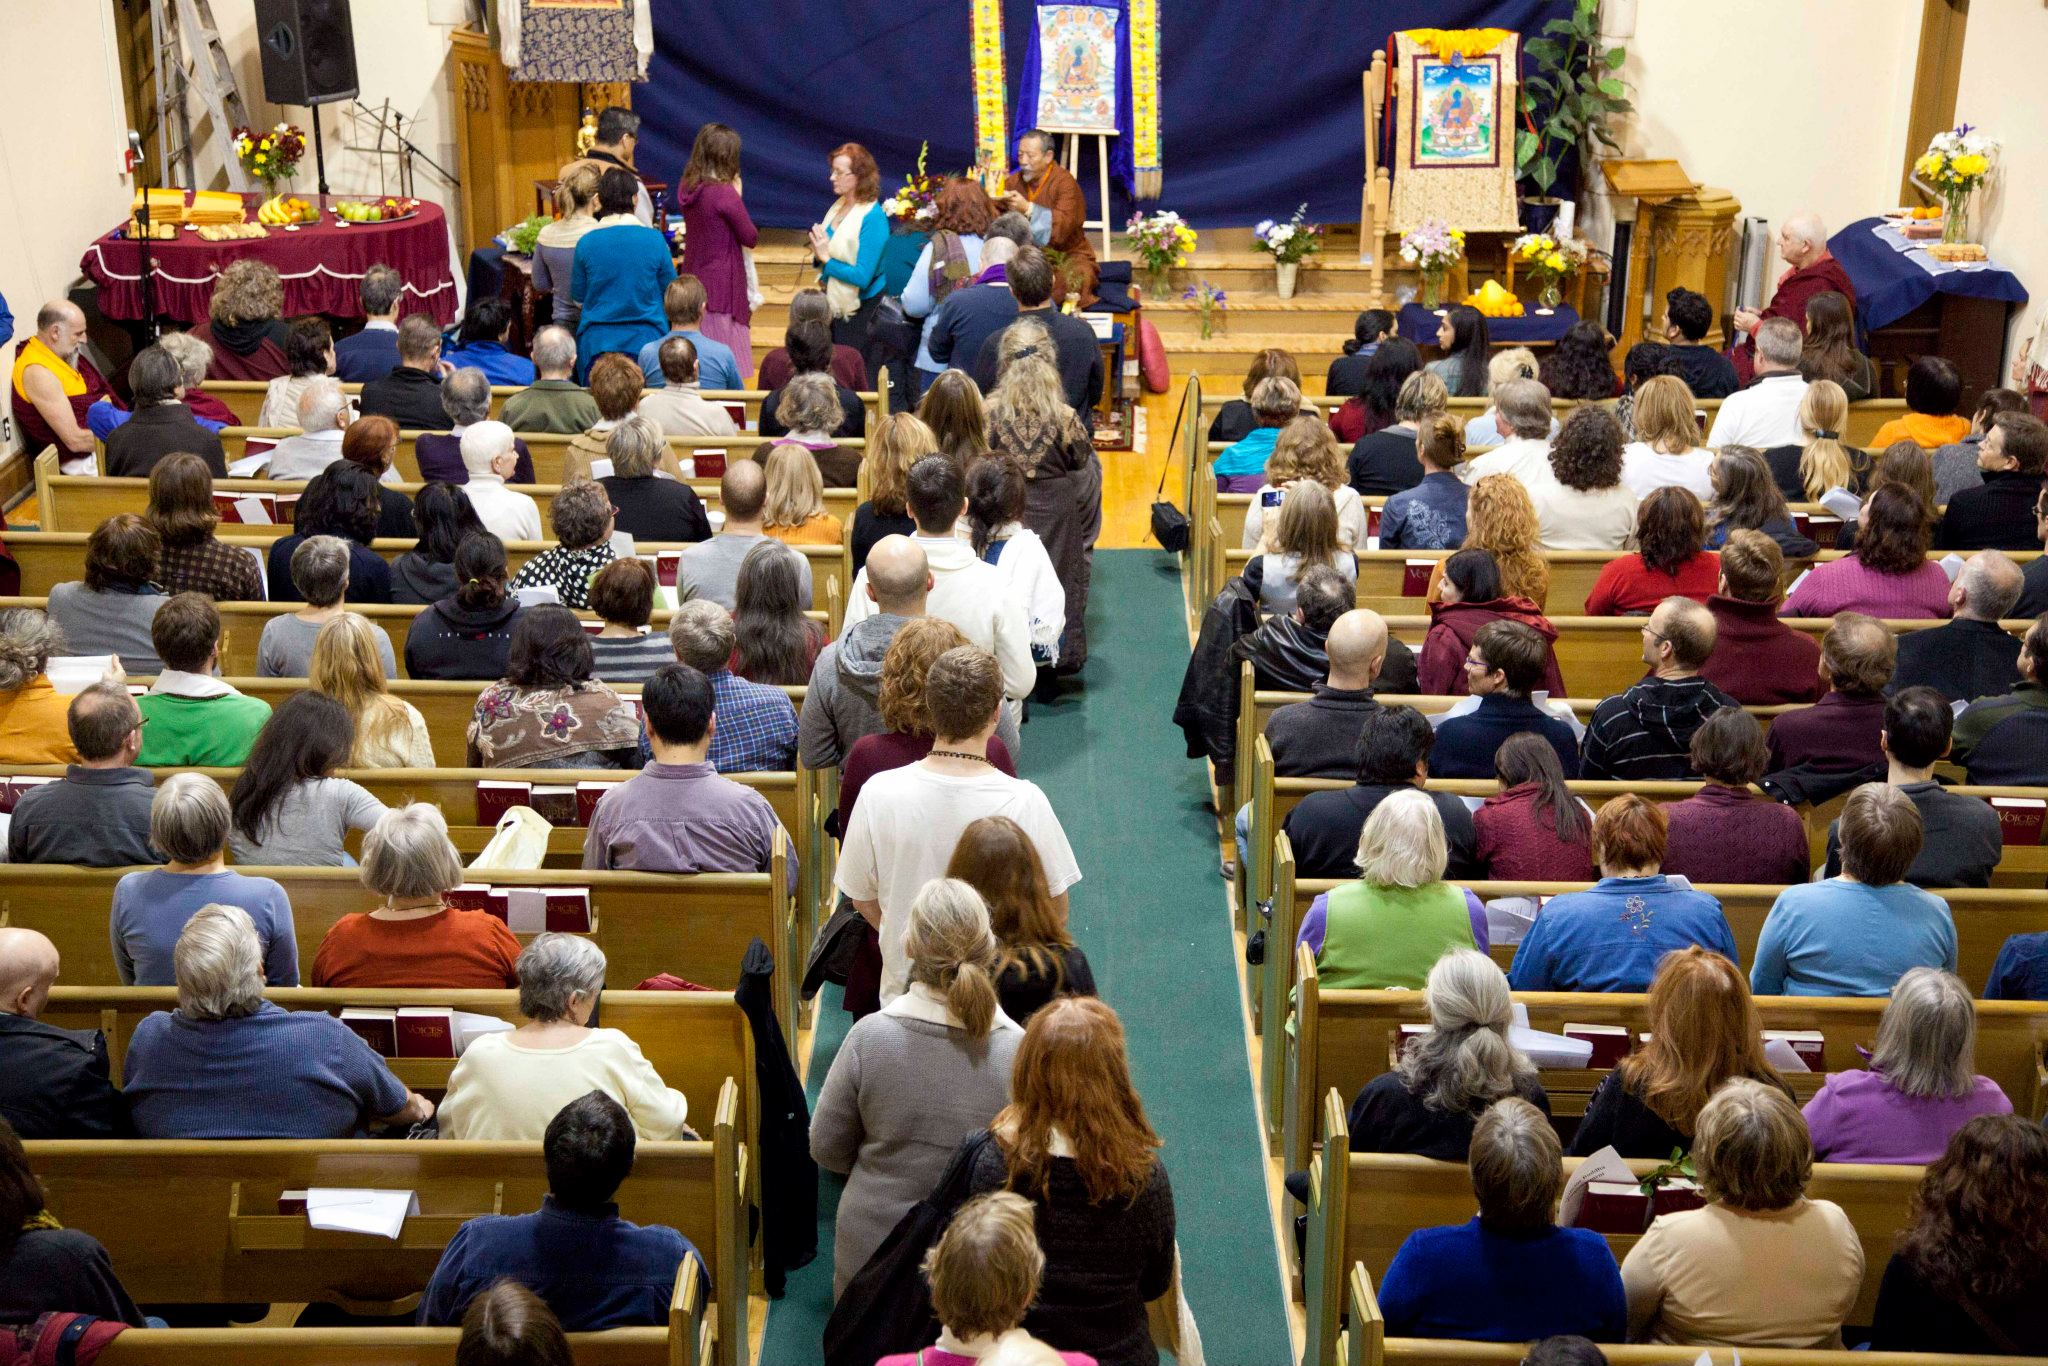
[
  {"x": 524, "y": 236},
  {"x": 1679, "y": 1166},
  {"x": 1571, "y": 92}
]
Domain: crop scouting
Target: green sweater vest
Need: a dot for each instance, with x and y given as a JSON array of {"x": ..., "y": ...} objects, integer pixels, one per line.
[
  {"x": 1380, "y": 937},
  {"x": 200, "y": 732}
]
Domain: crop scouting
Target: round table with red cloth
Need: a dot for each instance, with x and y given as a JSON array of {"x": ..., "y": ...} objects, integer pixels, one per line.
[{"x": 321, "y": 264}]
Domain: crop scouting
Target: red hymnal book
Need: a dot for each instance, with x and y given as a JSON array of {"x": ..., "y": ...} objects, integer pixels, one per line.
[
  {"x": 667, "y": 564},
  {"x": 12, "y": 790},
  {"x": 709, "y": 464},
  {"x": 1614, "y": 1207},
  {"x": 588, "y": 795},
  {"x": 1415, "y": 578},
  {"x": 529, "y": 910},
  {"x": 1810, "y": 1044},
  {"x": 374, "y": 1025},
  {"x": 426, "y": 1032},
  {"x": 2019, "y": 818},
  {"x": 738, "y": 413},
  {"x": 246, "y": 509},
  {"x": 1675, "y": 1196},
  {"x": 556, "y": 804},
  {"x": 1610, "y": 1042},
  {"x": 1409, "y": 1033},
  {"x": 1372, "y": 521},
  {"x": 494, "y": 798},
  {"x": 1824, "y": 531},
  {"x": 471, "y": 896}
]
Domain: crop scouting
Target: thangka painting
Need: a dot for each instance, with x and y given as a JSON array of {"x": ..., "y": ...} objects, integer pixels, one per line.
[
  {"x": 1457, "y": 112},
  {"x": 1454, "y": 126},
  {"x": 1077, "y": 90}
]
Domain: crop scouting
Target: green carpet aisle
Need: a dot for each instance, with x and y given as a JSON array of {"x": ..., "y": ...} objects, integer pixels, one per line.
[{"x": 1149, "y": 911}]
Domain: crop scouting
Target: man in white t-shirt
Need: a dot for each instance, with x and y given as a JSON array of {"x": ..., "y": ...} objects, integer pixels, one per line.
[
  {"x": 490, "y": 453},
  {"x": 1766, "y": 414},
  {"x": 908, "y": 820}
]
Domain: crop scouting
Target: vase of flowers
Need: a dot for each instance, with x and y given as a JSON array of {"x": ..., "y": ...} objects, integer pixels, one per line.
[
  {"x": 1548, "y": 262},
  {"x": 1160, "y": 241},
  {"x": 1954, "y": 165},
  {"x": 912, "y": 208},
  {"x": 1288, "y": 244},
  {"x": 272, "y": 155},
  {"x": 1210, "y": 301},
  {"x": 1433, "y": 248}
]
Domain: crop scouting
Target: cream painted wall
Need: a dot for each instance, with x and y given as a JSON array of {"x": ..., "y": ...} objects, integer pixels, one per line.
[{"x": 2002, "y": 91}]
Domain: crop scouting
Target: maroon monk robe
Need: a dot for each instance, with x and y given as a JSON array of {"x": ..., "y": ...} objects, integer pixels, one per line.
[
  {"x": 1057, "y": 192},
  {"x": 1795, "y": 291}
]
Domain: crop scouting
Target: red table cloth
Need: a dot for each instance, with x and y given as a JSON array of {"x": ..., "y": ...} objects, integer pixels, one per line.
[{"x": 321, "y": 264}]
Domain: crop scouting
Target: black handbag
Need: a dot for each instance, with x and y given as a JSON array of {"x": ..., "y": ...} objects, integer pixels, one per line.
[
  {"x": 887, "y": 1307},
  {"x": 1169, "y": 523}
]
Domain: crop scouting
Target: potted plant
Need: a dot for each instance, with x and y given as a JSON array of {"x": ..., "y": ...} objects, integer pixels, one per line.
[
  {"x": 1288, "y": 244},
  {"x": 1567, "y": 98},
  {"x": 1160, "y": 242}
]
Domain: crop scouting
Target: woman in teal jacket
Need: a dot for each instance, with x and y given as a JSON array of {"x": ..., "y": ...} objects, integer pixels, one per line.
[{"x": 618, "y": 275}]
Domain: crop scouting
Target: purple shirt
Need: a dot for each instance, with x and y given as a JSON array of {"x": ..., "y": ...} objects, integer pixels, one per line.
[
  {"x": 1859, "y": 1116},
  {"x": 1319, "y": 910},
  {"x": 682, "y": 818},
  {"x": 1844, "y": 585},
  {"x": 1728, "y": 834}
]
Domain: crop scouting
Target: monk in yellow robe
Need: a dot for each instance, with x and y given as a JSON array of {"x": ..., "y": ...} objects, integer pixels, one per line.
[{"x": 1044, "y": 192}]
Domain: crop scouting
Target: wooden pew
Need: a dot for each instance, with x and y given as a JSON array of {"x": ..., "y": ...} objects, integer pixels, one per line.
[
  {"x": 245, "y": 398},
  {"x": 1361, "y": 1206},
  {"x": 193, "y": 1222}
]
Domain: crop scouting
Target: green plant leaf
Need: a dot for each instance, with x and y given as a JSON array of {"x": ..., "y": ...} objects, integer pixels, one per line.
[
  {"x": 1526, "y": 144},
  {"x": 1613, "y": 89},
  {"x": 1614, "y": 57},
  {"x": 1545, "y": 50},
  {"x": 1562, "y": 26},
  {"x": 1533, "y": 86}
]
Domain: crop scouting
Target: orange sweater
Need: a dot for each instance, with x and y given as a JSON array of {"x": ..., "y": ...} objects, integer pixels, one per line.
[
  {"x": 32, "y": 725},
  {"x": 1925, "y": 430}
]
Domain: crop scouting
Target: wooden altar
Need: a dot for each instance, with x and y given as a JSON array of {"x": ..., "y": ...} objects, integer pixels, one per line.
[{"x": 1682, "y": 237}]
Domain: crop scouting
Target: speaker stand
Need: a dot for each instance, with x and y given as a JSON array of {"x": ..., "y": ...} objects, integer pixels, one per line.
[{"x": 319, "y": 155}]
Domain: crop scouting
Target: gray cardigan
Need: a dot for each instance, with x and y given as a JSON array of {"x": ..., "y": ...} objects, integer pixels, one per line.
[
  {"x": 901, "y": 1096},
  {"x": 108, "y": 623}
]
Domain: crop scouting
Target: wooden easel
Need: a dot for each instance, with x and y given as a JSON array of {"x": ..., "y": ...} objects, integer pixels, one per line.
[{"x": 1070, "y": 157}]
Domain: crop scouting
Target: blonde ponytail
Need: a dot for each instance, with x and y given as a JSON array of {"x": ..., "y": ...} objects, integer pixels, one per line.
[
  {"x": 952, "y": 950},
  {"x": 972, "y": 996},
  {"x": 1824, "y": 464}
]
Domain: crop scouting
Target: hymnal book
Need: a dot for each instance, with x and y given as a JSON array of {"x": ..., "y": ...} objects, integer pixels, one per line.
[
  {"x": 2020, "y": 818},
  {"x": 376, "y": 1026},
  {"x": 246, "y": 509},
  {"x": 554, "y": 803},
  {"x": 1372, "y": 523},
  {"x": 477, "y": 896},
  {"x": 426, "y": 1032},
  {"x": 588, "y": 795},
  {"x": 1809, "y": 1044},
  {"x": 1409, "y": 1033},
  {"x": 1613, "y": 1207},
  {"x": 667, "y": 564},
  {"x": 13, "y": 789},
  {"x": 529, "y": 910},
  {"x": 1610, "y": 1042},
  {"x": 707, "y": 464},
  {"x": 1824, "y": 531},
  {"x": 1415, "y": 577},
  {"x": 738, "y": 413},
  {"x": 495, "y": 797}
]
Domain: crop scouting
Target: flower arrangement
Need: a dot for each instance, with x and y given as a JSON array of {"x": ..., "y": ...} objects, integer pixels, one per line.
[
  {"x": 918, "y": 201},
  {"x": 1209, "y": 300},
  {"x": 1545, "y": 260},
  {"x": 1955, "y": 164},
  {"x": 1160, "y": 242},
  {"x": 1290, "y": 242},
  {"x": 1433, "y": 248},
  {"x": 271, "y": 156}
]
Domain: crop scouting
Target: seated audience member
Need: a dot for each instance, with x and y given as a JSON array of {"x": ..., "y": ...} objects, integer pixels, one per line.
[
  {"x": 1527, "y": 425},
  {"x": 1430, "y": 515},
  {"x": 1239, "y": 417},
  {"x": 814, "y": 418},
  {"x": 1747, "y": 498},
  {"x": 467, "y": 634},
  {"x": 1973, "y": 656},
  {"x": 756, "y": 728},
  {"x": 323, "y": 416},
  {"x": 190, "y": 718},
  {"x": 1577, "y": 367},
  {"x": 1999, "y": 513},
  {"x": 984, "y": 1272},
  {"x": 320, "y": 573},
  {"x": 1643, "y": 734},
  {"x": 1670, "y": 559},
  {"x": 1505, "y": 665},
  {"x": 97, "y": 814},
  {"x": 777, "y": 643},
  {"x": 56, "y": 1082},
  {"x": 481, "y": 343},
  {"x": 1393, "y": 756},
  {"x": 1817, "y": 460},
  {"x": 1304, "y": 537},
  {"x": 1462, "y": 339},
  {"x": 1998, "y": 738},
  {"x": 582, "y": 518},
  {"x": 442, "y": 517},
  {"x": 1319, "y": 738},
  {"x": 1839, "y": 734},
  {"x": 1961, "y": 835},
  {"x": 162, "y": 424},
  {"x": 554, "y": 401},
  {"x": 1766, "y": 414},
  {"x": 1510, "y": 1274},
  {"x": 996, "y": 507},
  {"x": 290, "y": 808},
  {"x": 1611, "y": 936},
  {"x": 371, "y": 353},
  {"x": 1933, "y": 389},
  {"x": 1372, "y": 407},
  {"x": 547, "y": 711},
  {"x": 683, "y": 301},
  {"x": 1666, "y": 452},
  {"x": 711, "y": 569},
  {"x": 465, "y": 401},
  {"x": 190, "y": 820},
  {"x": 678, "y": 814},
  {"x": 794, "y": 509},
  {"x": 1471, "y": 596},
  {"x": 1728, "y": 833},
  {"x": 191, "y": 558},
  {"x": 390, "y": 732},
  {"x": 1758, "y": 660},
  {"x": 1831, "y": 347},
  {"x": 904, "y": 830},
  {"x": 55, "y": 385},
  {"x": 1241, "y": 466},
  {"x": 508, "y": 1086},
  {"x": 678, "y": 406},
  {"x": 1500, "y": 520},
  {"x": 1510, "y": 363},
  {"x": 194, "y": 359},
  {"x": 1385, "y": 461},
  {"x": 1863, "y": 928},
  {"x": 1384, "y": 931},
  {"x": 842, "y": 702},
  {"x": 32, "y": 711},
  {"x": 1291, "y": 653},
  {"x": 876, "y": 1121},
  {"x": 1969, "y": 1273},
  {"x": 229, "y": 1064},
  {"x": 46, "y": 1268},
  {"x": 847, "y": 369},
  {"x": 1533, "y": 829},
  {"x": 509, "y": 1325},
  {"x": 410, "y": 392},
  {"x": 648, "y": 504},
  {"x": 1446, "y": 1079},
  {"x": 346, "y": 502},
  {"x": 1761, "y": 1265},
  {"x": 1703, "y": 1030},
  {"x": 1688, "y": 316},
  {"x": 1346, "y": 374},
  {"x": 371, "y": 443},
  {"x": 1306, "y": 450},
  {"x": 110, "y": 611},
  {"x": 1036, "y": 958},
  {"x": 415, "y": 939},
  {"x": 488, "y": 455},
  {"x": 592, "y": 1268},
  {"x": 626, "y": 651},
  {"x": 615, "y": 387},
  {"x": 1955, "y": 465},
  {"x": 1580, "y": 500},
  {"x": 1920, "y": 1087}
]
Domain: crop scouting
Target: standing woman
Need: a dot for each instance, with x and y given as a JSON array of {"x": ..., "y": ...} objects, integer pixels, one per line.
[
  {"x": 1466, "y": 347},
  {"x": 777, "y": 643},
  {"x": 554, "y": 252},
  {"x": 900, "y": 441},
  {"x": 950, "y": 259},
  {"x": 717, "y": 234},
  {"x": 995, "y": 507},
  {"x": 848, "y": 246},
  {"x": 1028, "y": 417},
  {"x": 953, "y": 409},
  {"x": 1038, "y": 959},
  {"x": 618, "y": 275}
]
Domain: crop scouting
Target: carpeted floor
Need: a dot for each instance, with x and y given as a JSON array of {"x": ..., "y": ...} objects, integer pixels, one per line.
[{"x": 1150, "y": 913}]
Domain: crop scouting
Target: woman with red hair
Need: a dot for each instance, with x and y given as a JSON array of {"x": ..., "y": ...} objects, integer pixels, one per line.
[{"x": 849, "y": 246}]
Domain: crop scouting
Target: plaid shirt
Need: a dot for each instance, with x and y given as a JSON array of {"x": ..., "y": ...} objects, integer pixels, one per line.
[
  {"x": 226, "y": 573},
  {"x": 756, "y": 727}
]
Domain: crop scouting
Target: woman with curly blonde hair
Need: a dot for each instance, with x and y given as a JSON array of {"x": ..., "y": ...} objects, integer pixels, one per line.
[
  {"x": 1500, "y": 518},
  {"x": 1305, "y": 449},
  {"x": 900, "y": 441},
  {"x": 243, "y": 323}
]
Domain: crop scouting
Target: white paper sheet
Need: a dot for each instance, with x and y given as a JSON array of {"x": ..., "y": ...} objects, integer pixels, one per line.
[
  {"x": 347, "y": 1210},
  {"x": 70, "y": 674},
  {"x": 1783, "y": 1056},
  {"x": 537, "y": 594},
  {"x": 246, "y": 467}
]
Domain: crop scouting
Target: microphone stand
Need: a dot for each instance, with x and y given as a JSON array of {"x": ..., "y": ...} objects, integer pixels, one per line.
[{"x": 146, "y": 243}]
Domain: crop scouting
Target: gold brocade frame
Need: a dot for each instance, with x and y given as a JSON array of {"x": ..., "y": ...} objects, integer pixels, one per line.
[{"x": 1474, "y": 196}]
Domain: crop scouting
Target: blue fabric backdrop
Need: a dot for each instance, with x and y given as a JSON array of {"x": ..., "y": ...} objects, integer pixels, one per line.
[{"x": 1260, "y": 101}]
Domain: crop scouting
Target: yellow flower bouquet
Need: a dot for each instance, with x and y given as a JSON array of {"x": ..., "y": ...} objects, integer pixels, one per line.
[
  {"x": 271, "y": 155},
  {"x": 1953, "y": 166},
  {"x": 1547, "y": 261}
]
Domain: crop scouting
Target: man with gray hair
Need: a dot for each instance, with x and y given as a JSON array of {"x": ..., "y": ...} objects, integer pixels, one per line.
[
  {"x": 410, "y": 393},
  {"x": 161, "y": 425},
  {"x": 54, "y": 384},
  {"x": 1970, "y": 656},
  {"x": 711, "y": 569},
  {"x": 56, "y": 1082},
  {"x": 843, "y": 702},
  {"x": 465, "y": 401},
  {"x": 1522, "y": 412},
  {"x": 679, "y": 407},
  {"x": 490, "y": 454},
  {"x": 324, "y": 416},
  {"x": 755, "y": 730},
  {"x": 320, "y": 572},
  {"x": 373, "y": 352},
  {"x": 1809, "y": 270},
  {"x": 97, "y": 814},
  {"x": 554, "y": 402},
  {"x": 1766, "y": 414}
]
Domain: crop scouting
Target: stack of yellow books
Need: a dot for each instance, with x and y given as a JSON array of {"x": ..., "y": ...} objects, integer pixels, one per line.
[{"x": 207, "y": 207}]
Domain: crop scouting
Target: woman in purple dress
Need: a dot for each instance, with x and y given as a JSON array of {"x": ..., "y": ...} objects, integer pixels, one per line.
[{"x": 716, "y": 230}]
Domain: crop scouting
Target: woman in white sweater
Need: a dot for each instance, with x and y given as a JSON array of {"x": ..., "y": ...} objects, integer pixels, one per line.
[
  {"x": 507, "y": 1086},
  {"x": 995, "y": 503}
]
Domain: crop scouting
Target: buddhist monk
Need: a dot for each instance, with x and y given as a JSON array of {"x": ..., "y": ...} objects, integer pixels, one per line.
[
  {"x": 1044, "y": 192},
  {"x": 54, "y": 384},
  {"x": 1809, "y": 270}
]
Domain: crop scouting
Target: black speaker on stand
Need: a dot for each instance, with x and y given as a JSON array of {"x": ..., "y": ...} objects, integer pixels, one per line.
[{"x": 309, "y": 58}]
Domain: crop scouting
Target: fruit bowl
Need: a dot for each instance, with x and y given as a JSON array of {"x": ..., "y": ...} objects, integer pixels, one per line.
[
  {"x": 282, "y": 211},
  {"x": 387, "y": 210}
]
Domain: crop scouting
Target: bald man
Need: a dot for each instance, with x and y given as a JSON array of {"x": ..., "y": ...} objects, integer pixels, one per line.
[
  {"x": 54, "y": 383},
  {"x": 843, "y": 702},
  {"x": 54, "y": 1083},
  {"x": 1644, "y": 734},
  {"x": 1809, "y": 270},
  {"x": 1319, "y": 738},
  {"x": 711, "y": 569}
]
